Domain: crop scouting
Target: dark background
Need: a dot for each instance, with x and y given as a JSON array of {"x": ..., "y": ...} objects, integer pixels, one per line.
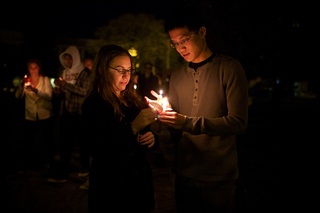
[
  {"x": 272, "y": 40},
  {"x": 272, "y": 35}
]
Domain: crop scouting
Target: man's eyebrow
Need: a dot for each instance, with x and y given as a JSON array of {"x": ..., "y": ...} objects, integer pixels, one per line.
[{"x": 184, "y": 35}]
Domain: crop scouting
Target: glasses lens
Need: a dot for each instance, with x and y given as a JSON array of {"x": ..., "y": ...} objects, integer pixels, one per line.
[{"x": 122, "y": 72}]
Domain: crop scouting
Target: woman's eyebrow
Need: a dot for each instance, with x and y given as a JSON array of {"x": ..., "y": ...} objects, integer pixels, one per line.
[{"x": 120, "y": 66}]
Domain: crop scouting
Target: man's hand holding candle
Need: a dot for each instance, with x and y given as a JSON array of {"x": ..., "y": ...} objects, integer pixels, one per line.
[
  {"x": 172, "y": 119},
  {"x": 60, "y": 82}
]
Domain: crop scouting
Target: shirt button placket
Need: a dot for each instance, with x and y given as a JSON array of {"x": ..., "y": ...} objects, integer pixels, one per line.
[{"x": 196, "y": 88}]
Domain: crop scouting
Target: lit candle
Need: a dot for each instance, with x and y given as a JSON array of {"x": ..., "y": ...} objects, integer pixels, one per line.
[
  {"x": 165, "y": 104},
  {"x": 161, "y": 104},
  {"x": 160, "y": 99},
  {"x": 27, "y": 81},
  {"x": 160, "y": 93},
  {"x": 163, "y": 101}
]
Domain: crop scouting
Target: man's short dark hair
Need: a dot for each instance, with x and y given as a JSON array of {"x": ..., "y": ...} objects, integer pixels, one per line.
[
  {"x": 185, "y": 17},
  {"x": 148, "y": 63}
]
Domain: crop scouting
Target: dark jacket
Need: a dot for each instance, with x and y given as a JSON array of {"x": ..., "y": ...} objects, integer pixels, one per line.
[{"x": 120, "y": 175}]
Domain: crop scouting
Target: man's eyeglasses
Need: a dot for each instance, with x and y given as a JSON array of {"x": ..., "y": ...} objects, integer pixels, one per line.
[
  {"x": 124, "y": 71},
  {"x": 182, "y": 42}
]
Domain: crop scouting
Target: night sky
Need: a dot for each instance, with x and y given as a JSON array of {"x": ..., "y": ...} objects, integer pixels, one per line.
[
  {"x": 81, "y": 18},
  {"x": 274, "y": 30},
  {"x": 74, "y": 18}
]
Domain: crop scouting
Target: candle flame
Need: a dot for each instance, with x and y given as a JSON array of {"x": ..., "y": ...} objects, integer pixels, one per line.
[{"x": 161, "y": 104}]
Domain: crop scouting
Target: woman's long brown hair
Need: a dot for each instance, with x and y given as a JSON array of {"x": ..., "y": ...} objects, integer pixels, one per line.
[{"x": 101, "y": 82}]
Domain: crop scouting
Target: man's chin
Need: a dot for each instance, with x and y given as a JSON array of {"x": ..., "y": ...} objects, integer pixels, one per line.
[{"x": 188, "y": 59}]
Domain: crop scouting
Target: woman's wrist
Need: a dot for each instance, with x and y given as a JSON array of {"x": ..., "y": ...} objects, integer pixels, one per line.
[{"x": 134, "y": 130}]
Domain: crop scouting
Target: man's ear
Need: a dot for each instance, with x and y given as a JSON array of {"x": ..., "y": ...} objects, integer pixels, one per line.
[{"x": 202, "y": 32}]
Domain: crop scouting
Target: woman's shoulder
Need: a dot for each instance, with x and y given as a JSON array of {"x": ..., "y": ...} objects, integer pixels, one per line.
[
  {"x": 95, "y": 101},
  {"x": 44, "y": 78},
  {"x": 47, "y": 79},
  {"x": 94, "y": 98}
]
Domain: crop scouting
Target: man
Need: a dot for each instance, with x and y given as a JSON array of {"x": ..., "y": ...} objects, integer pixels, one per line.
[
  {"x": 209, "y": 101},
  {"x": 148, "y": 82},
  {"x": 73, "y": 87},
  {"x": 88, "y": 62}
]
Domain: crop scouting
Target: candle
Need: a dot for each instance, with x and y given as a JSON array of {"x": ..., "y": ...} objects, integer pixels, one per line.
[
  {"x": 161, "y": 104},
  {"x": 27, "y": 81},
  {"x": 164, "y": 104},
  {"x": 160, "y": 99}
]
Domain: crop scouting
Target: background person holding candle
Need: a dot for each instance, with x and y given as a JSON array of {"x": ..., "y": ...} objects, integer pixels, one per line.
[
  {"x": 209, "y": 101},
  {"x": 72, "y": 89},
  {"x": 148, "y": 81},
  {"x": 115, "y": 122},
  {"x": 38, "y": 109}
]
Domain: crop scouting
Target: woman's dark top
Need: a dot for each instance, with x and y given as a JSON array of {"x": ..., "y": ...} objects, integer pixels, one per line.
[{"x": 120, "y": 174}]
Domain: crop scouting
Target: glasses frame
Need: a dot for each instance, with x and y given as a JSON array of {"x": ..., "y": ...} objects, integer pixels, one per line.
[
  {"x": 183, "y": 42},
  {"x": 124, "y": 71}
]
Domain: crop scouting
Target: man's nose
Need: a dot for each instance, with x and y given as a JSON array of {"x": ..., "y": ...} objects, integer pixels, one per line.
[{"x": 181, "y": 47}]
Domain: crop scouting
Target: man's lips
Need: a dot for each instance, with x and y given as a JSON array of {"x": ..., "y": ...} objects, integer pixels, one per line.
[{"x": 185, "y": 54}]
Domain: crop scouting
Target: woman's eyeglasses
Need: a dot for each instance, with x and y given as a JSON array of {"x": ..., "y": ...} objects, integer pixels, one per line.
[{"x": 123, "y": 71}]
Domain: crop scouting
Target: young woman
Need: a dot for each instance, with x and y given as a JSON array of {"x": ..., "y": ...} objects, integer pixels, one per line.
[
  {"x": 38, "y": 107},
  {"x": 115, "y": 121}
]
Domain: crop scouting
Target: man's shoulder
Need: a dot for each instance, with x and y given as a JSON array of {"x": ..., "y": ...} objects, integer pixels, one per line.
[
  {"x": 229, "y": 66},
  {"x": 86, "y": 71},
  {"x": 181, "y": 69},
  {"x": 225, "y": 60}
]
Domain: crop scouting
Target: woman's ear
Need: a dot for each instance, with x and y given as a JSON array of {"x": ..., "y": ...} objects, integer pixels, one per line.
[{"x": 202, "y": 32}]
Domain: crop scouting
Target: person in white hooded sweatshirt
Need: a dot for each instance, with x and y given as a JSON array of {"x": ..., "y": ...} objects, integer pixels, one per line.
[{"x": 72, "y": 87}]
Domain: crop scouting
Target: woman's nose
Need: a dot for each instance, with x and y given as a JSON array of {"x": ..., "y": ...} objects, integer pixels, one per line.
[{"x": 127, "y": 73}]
